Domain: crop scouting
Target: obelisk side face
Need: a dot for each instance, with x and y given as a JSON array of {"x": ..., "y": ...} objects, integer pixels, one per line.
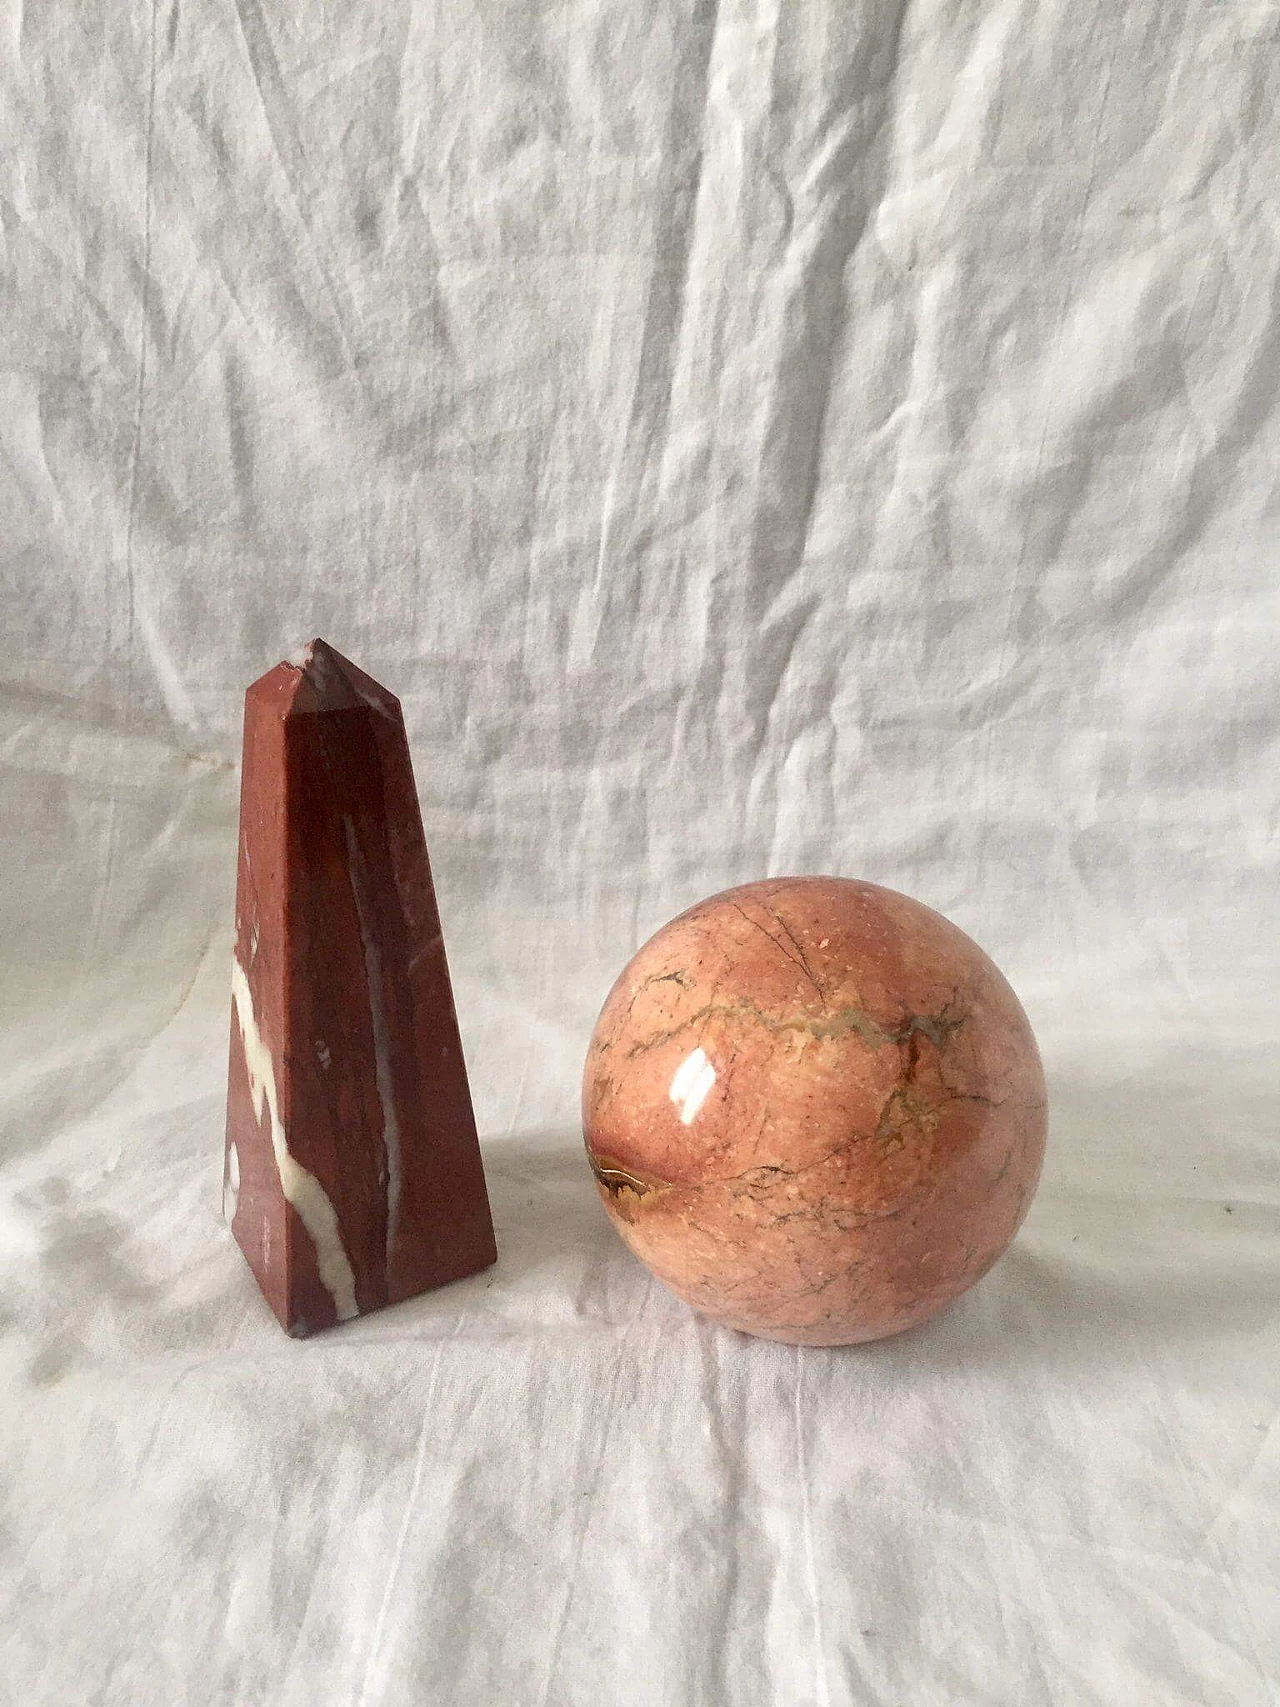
[{"x": 353, "y": 1172}]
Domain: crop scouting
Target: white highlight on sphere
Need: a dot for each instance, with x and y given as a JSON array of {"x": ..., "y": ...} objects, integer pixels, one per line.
[{"x": 692, "y": 1084}]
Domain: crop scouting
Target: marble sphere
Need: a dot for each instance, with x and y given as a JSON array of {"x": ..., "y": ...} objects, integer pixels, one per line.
[{"x": 815, "y": 1109}]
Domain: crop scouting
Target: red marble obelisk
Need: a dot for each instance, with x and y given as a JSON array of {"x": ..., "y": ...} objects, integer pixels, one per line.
[{"x": 352, "y": 1175}]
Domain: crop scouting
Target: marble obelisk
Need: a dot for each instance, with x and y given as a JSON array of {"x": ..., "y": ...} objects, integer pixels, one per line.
[{"x": 352, "y": 1175}]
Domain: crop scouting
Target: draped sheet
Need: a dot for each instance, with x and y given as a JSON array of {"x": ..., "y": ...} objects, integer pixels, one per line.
[{"x": 750, "y": 439}]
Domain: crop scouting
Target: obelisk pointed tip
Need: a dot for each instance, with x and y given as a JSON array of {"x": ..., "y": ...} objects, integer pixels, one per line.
[
  {"x": 338, "y": 681},
  {"x": 301, "y": 656},
  {"x": 321, "y": 659},
  {"x": 317, "y": 677}
]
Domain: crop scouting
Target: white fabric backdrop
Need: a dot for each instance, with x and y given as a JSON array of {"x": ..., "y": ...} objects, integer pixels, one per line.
[{"x": 750, "y": 439}]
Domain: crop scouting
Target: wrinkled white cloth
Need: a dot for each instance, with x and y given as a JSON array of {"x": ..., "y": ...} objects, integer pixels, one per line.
[{"x": 750, "y": 439}]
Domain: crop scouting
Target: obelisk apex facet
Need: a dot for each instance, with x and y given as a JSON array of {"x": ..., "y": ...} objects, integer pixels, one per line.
[{"x": 353, "y": 1176}]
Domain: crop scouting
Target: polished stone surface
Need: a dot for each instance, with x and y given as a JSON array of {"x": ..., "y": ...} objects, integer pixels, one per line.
[
  {"x": 352, "y": 1173},
  {"x": 815, "y": 1109}
]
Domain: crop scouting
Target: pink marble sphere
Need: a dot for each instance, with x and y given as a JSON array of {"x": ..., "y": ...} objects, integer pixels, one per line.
[{"x": 815, "y": 1109}]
